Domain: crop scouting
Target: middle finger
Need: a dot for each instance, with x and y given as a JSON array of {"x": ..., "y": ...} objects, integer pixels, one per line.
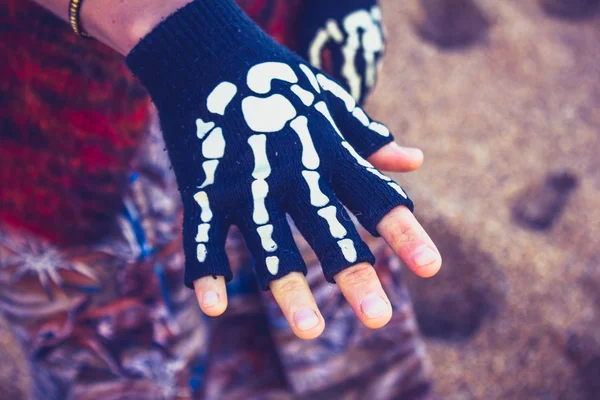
[{"x": 298, "y": 305}]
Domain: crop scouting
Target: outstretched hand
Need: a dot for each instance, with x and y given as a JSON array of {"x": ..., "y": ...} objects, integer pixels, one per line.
[
  {"x": 254, "y": 134},
  {"x": 359, "y": 283}
]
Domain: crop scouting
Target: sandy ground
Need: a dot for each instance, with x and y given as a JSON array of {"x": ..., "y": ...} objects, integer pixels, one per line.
[{"x": 509, "y": 119}]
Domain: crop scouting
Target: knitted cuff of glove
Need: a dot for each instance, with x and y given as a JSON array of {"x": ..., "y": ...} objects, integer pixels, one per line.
[{"x": 188, "y": 42}]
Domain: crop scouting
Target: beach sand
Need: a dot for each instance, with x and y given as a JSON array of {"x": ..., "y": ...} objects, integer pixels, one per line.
[{"x": 505, "y": 102}]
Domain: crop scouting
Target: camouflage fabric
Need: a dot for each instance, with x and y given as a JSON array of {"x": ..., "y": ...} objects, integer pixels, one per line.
[
  {"x": 95, "y": 308},
  {"x": 112, "y": 320}
]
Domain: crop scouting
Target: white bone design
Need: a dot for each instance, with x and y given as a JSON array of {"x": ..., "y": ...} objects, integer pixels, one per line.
[
  {"x": 206, "y": 216},
  {"x": 317, "y": 197},
  {"x": 336, "y": 229},
  {"x": 352, "y": 24},
  {"x": 379, "y": 128},
  {"x": 347, "y": 247},
  {"x": 334, "y": 31},
  {"x": 260, "y": 190},
  {"x": 376, "y": 13},
  {"x": 266, "y": 237},
  {"x": 270, "y": 115},
  {"x": 213, "y": 149},
  {"x": 210, "y": 168},
  {"x": 220, "y": 97},
  {"x": 311, "y": 77},
  {"x": 331, "y": 31},
  {"x": 261, "y": 75},
  {"x": 357, "y": 112},
  {"x": 267, "y": 115},
  {"x": 357, "y": 156},
  {"x": 311, "y": 161},
  {"x": 262, "y": 168},
  {"x": 360, "y": 24},
  {"x": 378, "y": 174},
  {"x": 273, "y": 264},
  {"x": 202, "y": 200},
  {"x": 201, "y": 252},
  {"x": 307, "y": 97},
  {"x": 360, "y": 115},
  {"x": 312, "y": 177},
  {"x": 310, "y": 158},
  {"x": 398, "y": 189},
  {"x": 338, "y": 91},
  {"x": 214, "y": 145},
  {"x": 372, "y": 42},
  {"x": 361, "y": 161},
  {"x": 323, "y": 109},
  {"x": 316, "y": 47},
  {"x": 202, "y": 128},
  {"x": 202, "y": 236}
]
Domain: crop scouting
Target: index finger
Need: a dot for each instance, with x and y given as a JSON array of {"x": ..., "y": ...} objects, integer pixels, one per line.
[{"x": 405, "y": 235}]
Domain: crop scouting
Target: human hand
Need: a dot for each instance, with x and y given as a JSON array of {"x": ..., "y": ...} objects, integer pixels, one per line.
[
  {"x": 253, "y": 133},
  {"x": 344, "y": 38}
]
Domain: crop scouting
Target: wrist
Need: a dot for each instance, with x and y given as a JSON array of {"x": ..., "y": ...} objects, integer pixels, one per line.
[
  {"x": 122, "y": 24},
  {"x": 195, "y": 43}
]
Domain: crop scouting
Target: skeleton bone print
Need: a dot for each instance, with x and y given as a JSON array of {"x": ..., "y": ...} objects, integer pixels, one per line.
[
  {"x": 267, "y": 116},
  {"x": 257, "y": 137},
  {"x": 349, "y": 45}
]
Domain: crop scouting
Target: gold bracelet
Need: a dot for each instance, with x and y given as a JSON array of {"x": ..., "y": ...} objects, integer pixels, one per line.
[{"x": 74, "y": 9}]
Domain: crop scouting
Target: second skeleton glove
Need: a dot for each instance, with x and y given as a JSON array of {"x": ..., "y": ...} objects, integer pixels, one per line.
[
  {"x": 253, "y": 134},
  {"x": 344, "y": 38}
]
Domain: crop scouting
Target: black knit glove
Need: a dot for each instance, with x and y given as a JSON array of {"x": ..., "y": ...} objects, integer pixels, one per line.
[
  {"x": 344, "y": 38},
  {"x": 253, "y": 133}
]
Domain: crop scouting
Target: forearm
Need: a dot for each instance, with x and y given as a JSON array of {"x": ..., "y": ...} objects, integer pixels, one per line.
[{"x": 119, "y": 24}]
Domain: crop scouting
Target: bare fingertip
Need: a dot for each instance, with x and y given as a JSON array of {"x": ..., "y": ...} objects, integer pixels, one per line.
[
  {"x": 429, "y": 271},
  {"x": 411, "y": 151},
  {"x": 415, "y": 156},
  {"x": 424, "y": 256},
  {"x": 214, "y": 310},
  {"x": 427, "y": 261},
  {"x": 211, "y": 295},
  {"x": 210, "y": 298},
  {"x": 393, "y": 157},
  {"x": 374, "y": 306},
  {"x": 306, "y": 319},
  {"x": 308, "y": 323},
  {"x": 376, "y": 311},
  {"x": 311, "y": 333}
]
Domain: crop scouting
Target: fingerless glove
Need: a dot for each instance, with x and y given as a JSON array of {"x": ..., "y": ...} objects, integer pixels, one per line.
[
  {"x": 253, "y": 134},
  {"x": 344, "y": 38}
]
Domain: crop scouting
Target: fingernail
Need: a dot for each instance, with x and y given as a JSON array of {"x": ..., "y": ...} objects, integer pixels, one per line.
[
  {"x": 411, "y": 151},
  {"x": 373, "y": 306},
  {"x": 423, "y": 256},
  {"x": 210, "y": 299},
  {"x": 305, "y": 319}
]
